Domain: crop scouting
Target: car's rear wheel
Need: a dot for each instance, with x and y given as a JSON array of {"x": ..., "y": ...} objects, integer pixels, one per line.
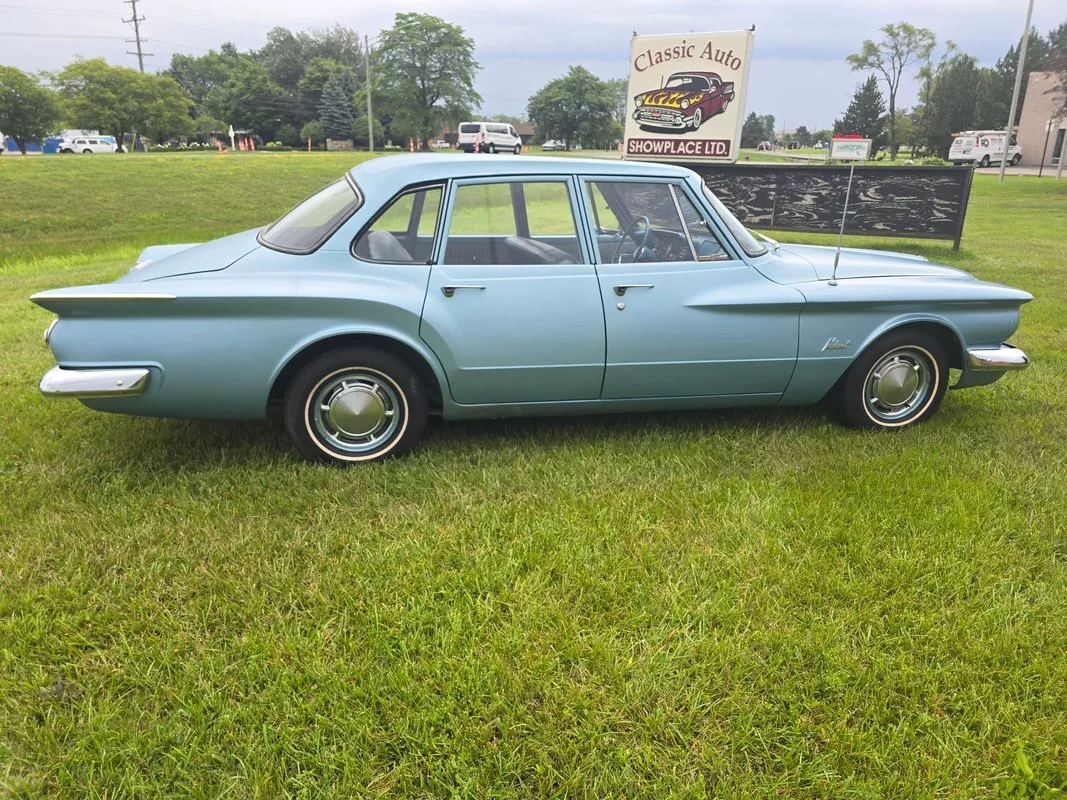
[
  {"x": 355, "y": 405},
  {"x": 491, "y": 149},
  {"x": 898, "y": 381},
  {"x": 87, "y": 151}
]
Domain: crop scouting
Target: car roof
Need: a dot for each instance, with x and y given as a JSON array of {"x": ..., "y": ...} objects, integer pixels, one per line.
[{"x": 403, "y": 170}]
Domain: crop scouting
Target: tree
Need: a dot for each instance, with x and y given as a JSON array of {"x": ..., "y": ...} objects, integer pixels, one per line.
[
  {"x": 619, "y": 88},
  {"x": 577, "y": 108},
  {"x": 767, "y": 127},
  {"x": 27, "y": 111},
  {"x": 425, "y": 74},
  {"x": 335, "y": 109},
  {"x": 802, "y": 137},
  {"x": 249, "y": 99},
  {"x": 313, "y": 131},
  {"x": 508, "y": 118},
  {"x": 865, "y": 115},
  {"x": 316, "y": 76},
  {"x": 903, "y": 45},
  {"x": 119, "y": 100},
  {"x": 751, "y": 131},
  {"x": 953, "y": 103}
]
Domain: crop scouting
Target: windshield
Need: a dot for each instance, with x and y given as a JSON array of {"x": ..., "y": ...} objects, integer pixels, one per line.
[
  {"x": 694, "y": 82},
  {"x": 742, "y": 234},
  {"x": 312, "y": 222}
]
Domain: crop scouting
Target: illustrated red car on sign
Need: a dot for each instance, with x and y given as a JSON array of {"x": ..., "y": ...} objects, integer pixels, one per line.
[{"x": 684, "y": 103}]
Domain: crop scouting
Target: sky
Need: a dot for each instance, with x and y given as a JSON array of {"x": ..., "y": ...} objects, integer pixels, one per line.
[{"x": 799, "y": 72}]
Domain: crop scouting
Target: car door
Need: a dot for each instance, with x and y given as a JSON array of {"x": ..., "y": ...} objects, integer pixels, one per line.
[
  {"x": 513, "y": 306},
  {"x": 685, "y": 316}
]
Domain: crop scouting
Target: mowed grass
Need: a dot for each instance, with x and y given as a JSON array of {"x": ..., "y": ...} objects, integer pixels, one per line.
[{"x": 745, "y": 604}]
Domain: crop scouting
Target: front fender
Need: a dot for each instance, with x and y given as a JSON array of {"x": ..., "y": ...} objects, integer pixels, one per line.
[{"x": 840, "y": 322}]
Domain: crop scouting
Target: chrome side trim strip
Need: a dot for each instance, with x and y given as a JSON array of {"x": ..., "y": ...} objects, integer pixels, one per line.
[
  {"x": 59, "y": 382},
  {"x": 1003, "y": 358},
  {"x": 115, "y": 296}
]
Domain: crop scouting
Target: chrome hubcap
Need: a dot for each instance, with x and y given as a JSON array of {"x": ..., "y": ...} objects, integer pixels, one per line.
[
  {"x": 356, "y": 410},
  {"x": 899, "y": 383}
]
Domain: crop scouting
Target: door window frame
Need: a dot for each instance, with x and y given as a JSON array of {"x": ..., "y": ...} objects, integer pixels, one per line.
[{"x": 577, "y": 212}]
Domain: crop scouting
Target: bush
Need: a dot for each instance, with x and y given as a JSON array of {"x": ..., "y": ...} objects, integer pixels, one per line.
[
  {"x": 277, "y": 147},
  {"x": 934, "y": 161},
  {"x": 287, "y": 135}
]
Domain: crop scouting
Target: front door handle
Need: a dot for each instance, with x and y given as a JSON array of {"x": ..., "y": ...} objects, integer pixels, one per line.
[
  {"x": 448, "y": 291},
  {"x": 620, "y": 290}
]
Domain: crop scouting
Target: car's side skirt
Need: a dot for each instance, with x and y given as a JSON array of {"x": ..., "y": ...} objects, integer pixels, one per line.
[{"x": 580, "y": 407}]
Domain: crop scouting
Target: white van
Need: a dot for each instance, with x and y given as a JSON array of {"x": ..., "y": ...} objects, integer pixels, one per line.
[
  {"x": 488, "y": 137},
  {"x": 983, "y": 148}
]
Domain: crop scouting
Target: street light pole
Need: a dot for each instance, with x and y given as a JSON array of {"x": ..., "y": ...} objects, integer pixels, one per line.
[
  {"x": 370, "y": 113},
  {"x": 1015, "y": 93}
]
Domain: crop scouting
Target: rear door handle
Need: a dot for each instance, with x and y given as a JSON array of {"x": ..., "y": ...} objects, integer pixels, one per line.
[
  {"x": 620, "y": 290},
  {"x": 448, "y": 291}
]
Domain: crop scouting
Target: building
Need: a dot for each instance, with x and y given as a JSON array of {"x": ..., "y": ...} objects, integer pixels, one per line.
[{"x": 1044, "y": 103}]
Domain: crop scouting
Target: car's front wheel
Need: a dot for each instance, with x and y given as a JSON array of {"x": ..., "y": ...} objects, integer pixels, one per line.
[
  {"x": 1015, "y": 159},
  {"x": 984, "y": 162},
  {"x": 897, "y": 381},
  {"x": 518, "y": 149},
  {"x": 354, "y": 405}
]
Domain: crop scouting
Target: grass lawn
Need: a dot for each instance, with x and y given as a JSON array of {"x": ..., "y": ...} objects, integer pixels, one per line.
[{"x": 743, "y": 604}]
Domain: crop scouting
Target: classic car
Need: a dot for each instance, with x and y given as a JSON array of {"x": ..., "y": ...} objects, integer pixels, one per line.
[
  {"x": 684, "y": 103},
  {"x": 433, "y": 284}
]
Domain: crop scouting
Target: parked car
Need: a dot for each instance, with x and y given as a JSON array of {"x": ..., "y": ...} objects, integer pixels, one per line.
[
  {"x": 686, "y": 101},
  {"x": 427, "y": 284},
  {"x": 764, "y": 145},
  {"x": 488, "y": 137},
  {"x": 983, "y": 148},
  {"x": 88, "y": 144},
  {"x": 439, "y": 144},
  {"x": 554, "y": 144}
]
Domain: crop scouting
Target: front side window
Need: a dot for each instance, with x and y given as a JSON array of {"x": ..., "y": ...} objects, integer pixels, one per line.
[
  {"x": 405, "y": 232},
  {"x": 312, "y": 222},
  {"x": 513, "y": 223},
  {"x": 749, "y": 243},
  {"x": 637, "y": 222}
]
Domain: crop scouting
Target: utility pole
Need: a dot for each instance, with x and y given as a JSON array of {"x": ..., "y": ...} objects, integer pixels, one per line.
[
  {"x": 370, "y": 112},
  {"x": 1015, "y": 93},
  {"x": 136, "y": 20}
]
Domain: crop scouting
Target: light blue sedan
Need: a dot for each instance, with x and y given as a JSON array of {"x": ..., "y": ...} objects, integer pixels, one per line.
[{"x": 417, "y": 285}]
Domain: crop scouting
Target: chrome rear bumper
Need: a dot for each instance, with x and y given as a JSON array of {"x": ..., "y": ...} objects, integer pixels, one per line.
[
  {"x": 997, "y": 359},
  {"x": 60, "y": 382}
]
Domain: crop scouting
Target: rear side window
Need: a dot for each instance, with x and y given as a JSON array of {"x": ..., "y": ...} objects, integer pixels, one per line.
[
  {"x": 405, "y": 232},
  {"x": 470, "y": 127},
  {"x": 513, "y": 223},
  {"x": 311, "y": 223}
]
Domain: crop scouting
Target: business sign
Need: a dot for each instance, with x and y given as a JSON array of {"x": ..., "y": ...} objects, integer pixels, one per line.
[
  {"x": 686, "y": 99},
  {"x": 850, "y": 149}
]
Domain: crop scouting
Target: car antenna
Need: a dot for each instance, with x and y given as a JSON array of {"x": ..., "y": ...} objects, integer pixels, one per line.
[{"x": 844, "y": 216}]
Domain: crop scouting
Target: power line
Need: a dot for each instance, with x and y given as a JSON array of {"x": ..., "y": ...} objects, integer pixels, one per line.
[
  {"x": 54, "y": 36},
  {"x": 136, "y": 33}
]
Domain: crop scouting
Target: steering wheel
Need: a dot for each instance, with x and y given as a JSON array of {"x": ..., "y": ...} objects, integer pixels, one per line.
[{"x": 631, "y": 233}]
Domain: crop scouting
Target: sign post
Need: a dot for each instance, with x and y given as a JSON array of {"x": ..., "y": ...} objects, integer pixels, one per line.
[{"x": 686, "y": 96}]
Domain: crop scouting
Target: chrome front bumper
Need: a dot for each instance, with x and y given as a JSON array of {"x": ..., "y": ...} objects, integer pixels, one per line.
[
  {"x": 997, "y": 359},
  {"x": 60, "y": 382},
  {"x": 668, "y": 120}
]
